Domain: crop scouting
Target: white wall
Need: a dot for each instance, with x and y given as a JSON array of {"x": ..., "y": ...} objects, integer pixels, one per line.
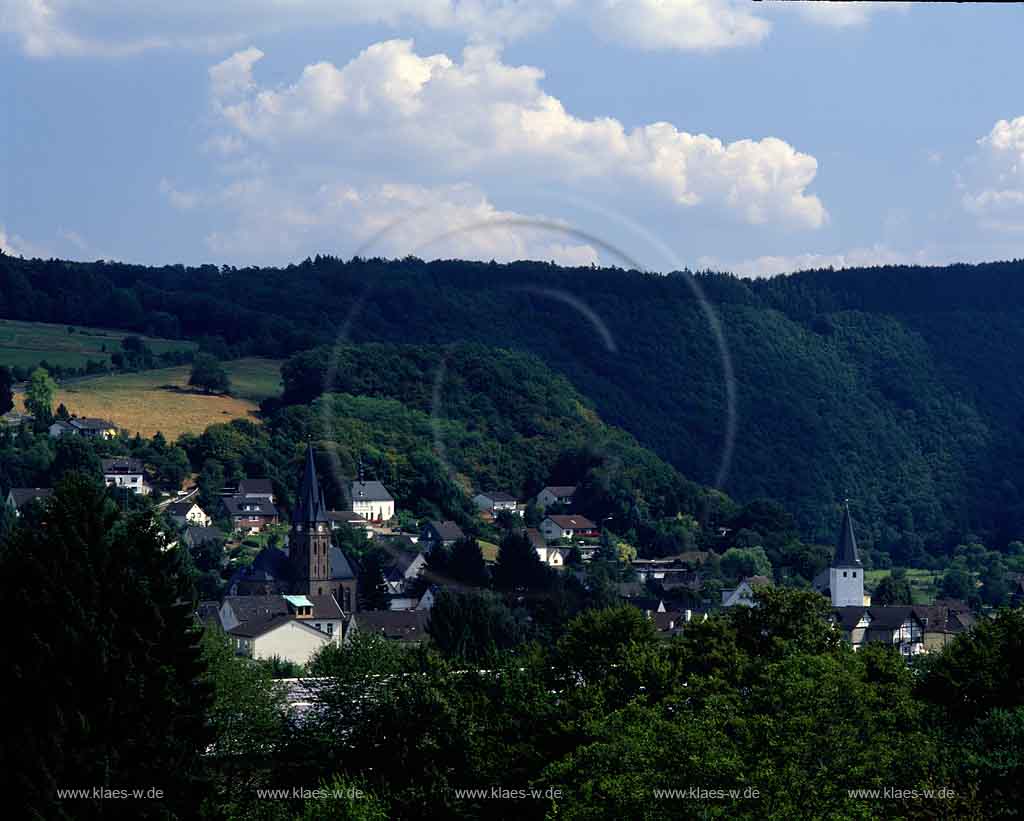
[{"x": 291, "y": 641}]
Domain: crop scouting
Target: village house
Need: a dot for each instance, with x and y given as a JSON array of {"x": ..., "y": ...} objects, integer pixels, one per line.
[
  {"x": 257, "y": 489},
  {"x": 127, "y": 473},
  {"x": 404, "y": 569},
  {"x": 323, "y": 613},
  {"x": 568, "y": 527},
  {"x": 288, "y": 639},
  {"x": 18, "y": 497},
  {"x": 250, "y": 514},
  {"x": 372, "y": 501},
  {"x": 556, "y": 495},
  {"x": 194, "y": 536},
  {"x": 85, "y": 426},
  {"x": 444, "y": 533},
  {"x": 408, "y": 627},
  {"x": 13, "y": 421},
  {"x": 338, "y": 518},
  {"x": 184, "y": 514},
  {"x": 898, "y": 626},
  {"x": 743, "y": 593},
  {"x": 495, "y": 501}
]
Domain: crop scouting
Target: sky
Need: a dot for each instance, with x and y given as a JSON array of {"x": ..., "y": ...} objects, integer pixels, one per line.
[{"x": 753, "y": 137}]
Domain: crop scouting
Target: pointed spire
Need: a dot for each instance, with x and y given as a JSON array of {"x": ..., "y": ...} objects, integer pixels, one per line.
[
  {"x": 309, "y": 506},
  {"x": 846, "y": 544}
]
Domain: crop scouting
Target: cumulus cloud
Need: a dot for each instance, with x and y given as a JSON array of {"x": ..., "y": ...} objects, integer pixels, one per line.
[
  {"x": 118, "y": 27},
  {"x": 17, "y": 246},
  {"x": 993, "y": 182},
  {"x": 492, "y": 120},
  {"x": 764, "y": 266},
  {"x": 275, "y": 223}
]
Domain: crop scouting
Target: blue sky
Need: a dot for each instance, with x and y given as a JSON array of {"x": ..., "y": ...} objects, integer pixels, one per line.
[{"x": 754, "y": 137}]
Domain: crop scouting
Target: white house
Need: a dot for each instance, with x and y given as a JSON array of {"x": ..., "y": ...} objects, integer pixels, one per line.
[
  {"x": 743, "y": 593},
  {"x": 189, "y": 513},
  {"x": 556, "y": 495},
  {"x": 372, "y": 501},
  {"x": 288, "y": 639},
  {"x": 124, "y": 472},
  {"x": 496, "y": 501},
  {"x": 568, "y": 527},
  {"x": 552, "y": 556},
  {"x": 18, "y": 497},
  {"x": 322, "y": 613}
]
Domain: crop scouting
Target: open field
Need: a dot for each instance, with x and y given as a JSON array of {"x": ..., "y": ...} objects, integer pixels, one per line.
[
  {"x": 159, "y": 400},
  {"x": 28, "y": 343},
  {"x": 923, "y": 583}
]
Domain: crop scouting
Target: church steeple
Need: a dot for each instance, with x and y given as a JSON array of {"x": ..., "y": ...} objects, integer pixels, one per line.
[
  {"x": 846, "y": 576},
  {"x": 310, "y": 507},
  {"x": 846, "y": 544}
]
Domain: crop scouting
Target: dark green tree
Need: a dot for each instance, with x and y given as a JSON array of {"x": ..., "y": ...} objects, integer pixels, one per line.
[
  {"x": 373, "y": 589},
  {"x": 474, "y": 627},
  {"x": 109, "y": 693},
  {"x": 467, "y": 562},
  {"x": 893, "y": 589},
  {"x": 209, "y": 374},
  {"x": 518, "y": 564},
  {"x": 6, "y": 390}
]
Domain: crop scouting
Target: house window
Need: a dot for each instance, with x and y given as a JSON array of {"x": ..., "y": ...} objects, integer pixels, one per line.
[
  {"x": 330, "y": 628},
  {"x": 844, "y": 574},
  {"x": 855, "y": 574}
]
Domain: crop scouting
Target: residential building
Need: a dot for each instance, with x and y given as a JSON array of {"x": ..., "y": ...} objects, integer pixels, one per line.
[
  {"x": 556, "y": 495},
  {"x": 127, "y": 473},
  {"x": 257, "y": 489},
  {"x": 185, "y": 514},
  {"x": 91, "y": 428},
  {"x": 60, "y": 428},
  {"x": 899, "y": 626},
  {"x": 569, "y": 527},
  {"x": 404, "y": 569},
  {"x": 372, "y": 501},
  {"x": 18, "y": 497},
  {"x": 444, "y": 533},
  {"x": 495, "y": 501},
  {"x": 250, "y": 515},
  {"x": 405, "y": 626},
  {"x": 323, "y": 613},
  {"x": 337, "y": 518},
  {"x": 553, "y": 556},
  {"x": 743, "y": 593},
  {"x": 289, "y": 639},
  {"x": 195, "y": 536}
]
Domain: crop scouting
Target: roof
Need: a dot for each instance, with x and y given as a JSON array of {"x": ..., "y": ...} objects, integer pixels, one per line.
[
  {"x": 446, "y": 530},
  {"x": 371, "y": 491},
  {"x": 310, "y": 506},
  {"x": 254, "y": 608},
  {"x": 181, "y": 508},
  {"x": 340, "y": 567},
  {"x": 198, "y": 535},
  {"x": 256, "y": 487},
  {"x": 882, "y": 618},
  {"x": 22, "y": 495},
  {"x": 498, "y": 496},
  {"x": 208, "y": 612},
  {"x": 405, "y": 625},
  {"x": 561, "y": 490},
  {"x": 122, "y": 464},
  {"x": 347, "y": 516},
  {"x": 573, "y": 522},
  {"x": 258, "y": 627},
  {"x": 846, "y": 544},
  {"x": 260, "y": 507},
  {"x": 402, "y": 560},
  {"x": 536, "y": 537},
  {"x": 91, "y": 423},
  {"x": 298, "y": 601}
]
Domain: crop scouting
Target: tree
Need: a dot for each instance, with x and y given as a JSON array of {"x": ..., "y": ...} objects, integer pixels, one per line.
[
  {"x": 373, "y": 589},
  {"x": 108, "y": 694},
  {"x": 209, "y": 374},
  {"x": 743, "y": 562},
  {"x": 473, "y": 627},
  {"x": 467, "y": 562},
  {"x": 6, "y": 390},
  {"x": 957, "y": 583},
  {"x": 893, "y": 589},
  {"x": 39, "y": 395},
  {"x": 518, "y": 564}
]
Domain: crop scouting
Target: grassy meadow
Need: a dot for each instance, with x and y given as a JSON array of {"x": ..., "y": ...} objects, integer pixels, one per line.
[
  {"x": 160, "y": 400},
  {"x": 923, "y": 583},
  {"x": 28, "y": 343}
]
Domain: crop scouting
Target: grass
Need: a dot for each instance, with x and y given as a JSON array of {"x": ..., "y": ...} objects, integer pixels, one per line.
[
  {"x": 28, "y": 343},
  {"x": 924, "y": 584},
  {"x": 148, "y": 401}
]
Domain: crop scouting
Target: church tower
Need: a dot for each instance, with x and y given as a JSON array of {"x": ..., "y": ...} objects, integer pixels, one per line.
[
  {"x": 846, "y": 575},
  {"x": 309, "y": 541}
]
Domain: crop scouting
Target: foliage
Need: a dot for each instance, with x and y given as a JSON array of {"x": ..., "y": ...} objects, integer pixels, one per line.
[
  {"x": 518, "y": 565},
  {"x": 209, "y": 375},
  {"x": 39, "y": 393},
  {"x": 893, "y": 589},
  {"x": 6, "y": 390},
  {"x": 474, "y": 627}
]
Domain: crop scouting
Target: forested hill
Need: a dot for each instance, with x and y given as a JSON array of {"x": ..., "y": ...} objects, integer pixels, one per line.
[{"x": 898, "y": 387}]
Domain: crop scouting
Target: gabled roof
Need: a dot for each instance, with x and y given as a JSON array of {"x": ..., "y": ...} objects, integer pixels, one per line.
[
  {"x": 846, "y": 544},
  {"x": 198, "y": 535},
  {"x": 498, "y": 496},
  {"x": 573, "y": 522},
  {"x": 259, "y": 627},
  {"x": 446, "y": 530},
  {"x": 371, "y": 491},
  {"x": 260, "y": 507},
  {"x": 256, "y": 608},
  {"x": 310, "y": 506},
  {"x": 91, "y": 423},
  {"x": 23, "y": 495},
  {"x": 561, "y": 490},
  {"x": 122, "y": 464},
  {"x": 406, "y": 625},
  {"x": 181, "y": 508},
  {"x": 260, "y": 487}
]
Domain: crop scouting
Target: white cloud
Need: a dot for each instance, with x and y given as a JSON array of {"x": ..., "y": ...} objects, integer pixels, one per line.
[
  {"x": 856, "y": 258},
  {"x": 181, "y": 200},
  {"x": 16, "y": 246},
  {"x": 275, "y": 223},
  {"x": 993, "y": 182},
  {"x": 492, "y": 120},
  {"x": 122, "y": 27},
  {"x": 837, "y": 14}
]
